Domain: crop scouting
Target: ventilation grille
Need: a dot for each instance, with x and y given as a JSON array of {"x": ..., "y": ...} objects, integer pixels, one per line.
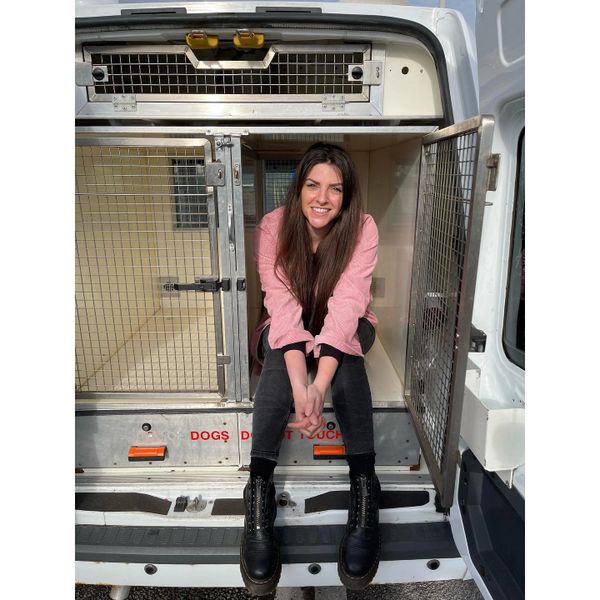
[{"x": 174, "y": 72}]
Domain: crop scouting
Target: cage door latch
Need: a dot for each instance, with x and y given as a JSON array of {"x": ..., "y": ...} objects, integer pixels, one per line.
[
  {"x": 204, "y": 285},
  {"x": 215, "y": 174}
]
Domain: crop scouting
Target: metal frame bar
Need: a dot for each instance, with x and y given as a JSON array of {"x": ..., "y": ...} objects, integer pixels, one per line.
[
  {"x": 227, "y": 265},
  {"x": 210, "y": 131},
  {"x": 141, "y": 141},
  {"x": 240, "y": 270}
]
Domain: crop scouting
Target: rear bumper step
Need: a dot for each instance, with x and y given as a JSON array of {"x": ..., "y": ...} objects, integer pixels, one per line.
[{"x": 220, "y": 545}]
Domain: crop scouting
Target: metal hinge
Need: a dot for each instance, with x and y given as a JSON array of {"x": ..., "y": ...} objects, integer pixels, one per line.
[
  {"x": 124, "y": 103},
  {"x": 333, "y": 103},
  {"x": 224, "y": 142},
  {"x": 492, "y": 164},
  {"x": 204, "y": 285},
  {"x": 215, "y": 174}
]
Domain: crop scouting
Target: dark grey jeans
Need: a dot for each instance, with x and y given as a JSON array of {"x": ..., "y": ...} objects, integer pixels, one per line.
[{"x": 350, "y": 392}]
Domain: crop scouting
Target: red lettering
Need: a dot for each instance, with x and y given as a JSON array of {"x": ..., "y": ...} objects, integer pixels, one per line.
[
  {"x": 288, "y": 434},
  {"x": 214, "y": 435},
  {"x": 246, "y": 435}
]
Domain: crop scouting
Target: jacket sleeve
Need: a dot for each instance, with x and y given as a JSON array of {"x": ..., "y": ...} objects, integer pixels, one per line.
[
  {"x": 352, "y": 294},
  {"x": 283, "y": 307}
]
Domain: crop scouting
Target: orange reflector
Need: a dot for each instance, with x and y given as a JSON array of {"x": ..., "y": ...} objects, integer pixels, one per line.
[
  {"x": 147, "y": 453},
  {"x": 328, "y": 451}
]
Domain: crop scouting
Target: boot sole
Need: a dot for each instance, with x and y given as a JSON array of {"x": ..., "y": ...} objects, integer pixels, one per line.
[
  {"x": 260, "y": 587},
  {"x": 358, "y": 583}
]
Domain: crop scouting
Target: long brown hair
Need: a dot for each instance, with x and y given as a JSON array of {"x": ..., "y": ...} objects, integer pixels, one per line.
[{"x": 312, "y": 278}]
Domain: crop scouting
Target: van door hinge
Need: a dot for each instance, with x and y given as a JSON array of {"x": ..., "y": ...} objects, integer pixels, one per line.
[
  {"x": 215, "y": 174},
  {"x": 478, "y": 340},
  {"x": 204, "y": 285},
  {"x": 492, "y": 164},
  {"x": 124, "y": 103}
]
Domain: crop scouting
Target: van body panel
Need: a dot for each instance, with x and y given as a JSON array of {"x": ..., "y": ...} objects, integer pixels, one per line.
[{"x": 427, "y": 80}]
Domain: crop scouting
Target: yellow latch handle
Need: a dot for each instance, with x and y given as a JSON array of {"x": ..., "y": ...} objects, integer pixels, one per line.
[
  {"x": 197, "y": 40},
  {"x": 244, "y": 38}
]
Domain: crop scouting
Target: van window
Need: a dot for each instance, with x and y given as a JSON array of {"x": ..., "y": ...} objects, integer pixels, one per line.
[
  {"x": 513, "y": 337},
  {"x": 278, "y": 174}
]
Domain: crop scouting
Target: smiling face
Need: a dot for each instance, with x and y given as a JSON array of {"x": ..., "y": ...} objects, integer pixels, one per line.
[{"x": 321, "y": 196}]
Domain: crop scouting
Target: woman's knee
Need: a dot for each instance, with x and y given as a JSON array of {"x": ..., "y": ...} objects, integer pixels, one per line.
[{"x": 350, "y": 377}]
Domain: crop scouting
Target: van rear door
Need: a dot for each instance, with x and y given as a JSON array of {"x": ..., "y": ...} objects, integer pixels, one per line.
[{"x": 488, "y": 513}]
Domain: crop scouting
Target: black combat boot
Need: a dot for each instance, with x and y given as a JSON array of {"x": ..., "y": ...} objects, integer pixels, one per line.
[
  {"x": 361, "y": 544},
  {"x": 260, "y": 563}
]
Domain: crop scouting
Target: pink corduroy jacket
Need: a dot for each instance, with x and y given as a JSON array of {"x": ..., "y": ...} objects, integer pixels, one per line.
[{"x": 351, "y": 298}]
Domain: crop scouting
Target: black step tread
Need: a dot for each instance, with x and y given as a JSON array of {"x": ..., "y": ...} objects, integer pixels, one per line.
[
  {"x": 119, "y": 502},
  {"x": 218, "y": 545},
  {"x": 337, "y": 500}
]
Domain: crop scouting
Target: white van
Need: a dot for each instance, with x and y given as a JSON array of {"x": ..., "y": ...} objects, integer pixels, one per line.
[{"x": 190, "y": 118}]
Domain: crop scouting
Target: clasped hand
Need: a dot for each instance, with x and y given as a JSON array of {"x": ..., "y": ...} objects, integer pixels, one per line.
[{"x": 308, "y": 405}]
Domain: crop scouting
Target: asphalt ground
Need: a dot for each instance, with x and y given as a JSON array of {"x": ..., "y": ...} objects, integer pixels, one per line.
[{"x": 430, "y": 590}]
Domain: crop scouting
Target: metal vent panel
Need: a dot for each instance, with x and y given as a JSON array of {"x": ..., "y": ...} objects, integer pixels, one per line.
[{"x": 291, "y": 73}]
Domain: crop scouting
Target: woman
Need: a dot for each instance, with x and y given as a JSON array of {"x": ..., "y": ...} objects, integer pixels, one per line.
[{"x": 315, "y": 257}]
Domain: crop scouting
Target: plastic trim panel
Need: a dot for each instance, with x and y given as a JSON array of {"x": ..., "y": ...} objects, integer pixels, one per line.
[{"x": 494, "y": 522}]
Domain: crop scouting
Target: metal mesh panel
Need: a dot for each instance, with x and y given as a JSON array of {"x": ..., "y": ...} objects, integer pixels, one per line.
[
  {"x": 133, "y": 332},
  {"x": 171, "y": 72},
  {"x": 445, "y": 207},
  {"x": 277, "y": 177}
]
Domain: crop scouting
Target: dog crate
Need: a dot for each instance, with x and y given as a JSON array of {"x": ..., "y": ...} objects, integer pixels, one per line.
[{"x": 167, "y": 290}]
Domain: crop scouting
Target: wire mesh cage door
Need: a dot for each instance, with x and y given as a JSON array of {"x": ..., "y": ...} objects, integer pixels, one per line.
[
  {"x": 148, "y": 315},
  {"x": 452, "y": 188}
]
